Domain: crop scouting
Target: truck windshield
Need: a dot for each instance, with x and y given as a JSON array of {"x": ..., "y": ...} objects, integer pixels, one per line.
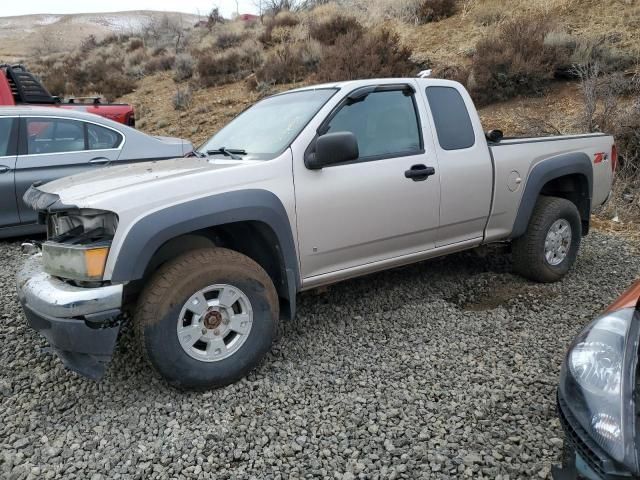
[{"x": 266, "y": 129}]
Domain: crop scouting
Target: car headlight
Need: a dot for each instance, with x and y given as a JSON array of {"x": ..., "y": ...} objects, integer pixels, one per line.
[
  {"x": 78, "y": 244},
  {"x": 598, "y": 381}
]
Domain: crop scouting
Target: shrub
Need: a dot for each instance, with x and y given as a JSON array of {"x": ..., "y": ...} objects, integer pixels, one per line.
[
  {"x": 182, "y": 99},
  {"x": 434, "y": 10},
  {"x": 160, "y": 63},
  {"x": 456, "y": 73},
  {"x": 489, "y": 15},
  {"x": 136, "y": 57},
  {"x": 513, "y": 61},
  {"x": 330, "y": 30},
  {"x": 115, "y": 85},
  {"x": 88, "y": 44},
  {"x": 229, "y": 65},
  {"x": 183, "y": 67},
  {"x": 289, "y": 63},
  {"x": 229, "y": 39},
  {"x": 283, "y": 19},
  {"x": 135, "y": 44},
  {"x": 376, "y": 53}
]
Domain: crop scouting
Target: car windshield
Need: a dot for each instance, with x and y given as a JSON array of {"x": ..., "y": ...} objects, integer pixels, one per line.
[{"x": 264, "y": 130}]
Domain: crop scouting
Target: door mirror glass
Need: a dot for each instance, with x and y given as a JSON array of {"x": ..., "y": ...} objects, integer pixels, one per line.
[{"x": 333, "y": 148}]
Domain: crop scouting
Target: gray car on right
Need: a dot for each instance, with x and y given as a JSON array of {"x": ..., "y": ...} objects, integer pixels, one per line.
[{"x": 40, "y": 144}]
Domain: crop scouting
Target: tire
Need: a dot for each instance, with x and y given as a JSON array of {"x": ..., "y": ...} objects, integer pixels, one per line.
[
  {"x": 193, "y": 360},
  {"x": 530, "y": 258}
]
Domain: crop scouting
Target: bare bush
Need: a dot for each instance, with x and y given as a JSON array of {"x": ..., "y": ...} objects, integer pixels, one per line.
[
  {"x": 289, "y": 64},
  {"x": 183, "y": 67},
  {"x": 135, "y": 44},
  {"x": 229, "y": 39},
  {"x": 489, "y": 15},
  {"x": 514, "y": 60},
  {"x": 282, "y": 19},
  {"x": 229, "y": 65},
  {"x": 376, "y": 53},
  {"x": 328, "y": 31},
  {"x": 182, "y": 99},
  {"x": 161, "y": 63},
  {"x": 434, "y": 10}
]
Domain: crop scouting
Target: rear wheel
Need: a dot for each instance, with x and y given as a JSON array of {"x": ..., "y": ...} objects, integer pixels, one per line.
[
  {"x": 549, "y": 247},
  {"x": 207, "y": 318}
]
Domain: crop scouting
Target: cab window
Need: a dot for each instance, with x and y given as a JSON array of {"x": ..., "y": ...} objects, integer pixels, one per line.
[{"x": 385, "y": 124}]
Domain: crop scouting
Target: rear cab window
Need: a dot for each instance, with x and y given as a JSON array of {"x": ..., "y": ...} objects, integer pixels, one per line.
[{"x": 451, "y": 118}]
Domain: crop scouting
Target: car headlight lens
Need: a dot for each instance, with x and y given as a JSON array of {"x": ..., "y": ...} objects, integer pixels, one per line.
[
  {"x": 78, "y": 244},
  {"x": 83, "y": 263},
  {"x": 598, "y": 382}
]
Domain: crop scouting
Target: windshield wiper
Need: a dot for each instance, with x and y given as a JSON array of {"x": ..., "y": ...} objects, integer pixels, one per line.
[{"x": 228, "y": 152}]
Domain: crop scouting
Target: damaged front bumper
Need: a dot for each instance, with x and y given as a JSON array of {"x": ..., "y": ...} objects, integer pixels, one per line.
[{"x": 81, "y": 324}]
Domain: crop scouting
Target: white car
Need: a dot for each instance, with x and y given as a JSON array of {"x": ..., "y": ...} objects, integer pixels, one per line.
[{"x": 305, "y": 188}]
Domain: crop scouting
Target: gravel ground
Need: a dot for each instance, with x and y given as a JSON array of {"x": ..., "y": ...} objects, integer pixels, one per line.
[{"x": 438, "y": 370}]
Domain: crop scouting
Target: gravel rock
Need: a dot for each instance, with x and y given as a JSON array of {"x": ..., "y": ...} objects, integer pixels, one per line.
[{"x": 442, "y": 369}]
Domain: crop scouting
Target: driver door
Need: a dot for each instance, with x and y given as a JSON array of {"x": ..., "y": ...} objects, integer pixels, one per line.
[{"x": 367, "y": 211}]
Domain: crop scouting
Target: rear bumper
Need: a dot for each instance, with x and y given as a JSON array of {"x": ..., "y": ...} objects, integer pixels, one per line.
[{"x": 80, "y": 324}]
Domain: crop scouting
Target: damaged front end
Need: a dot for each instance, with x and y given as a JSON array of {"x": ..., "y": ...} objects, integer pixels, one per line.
[{"x": 61, "y": 288}]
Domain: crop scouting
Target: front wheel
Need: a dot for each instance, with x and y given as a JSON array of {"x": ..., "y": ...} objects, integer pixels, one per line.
[
  {"x": 207, "y": 318},
  {"x": 549, "y": 247}
]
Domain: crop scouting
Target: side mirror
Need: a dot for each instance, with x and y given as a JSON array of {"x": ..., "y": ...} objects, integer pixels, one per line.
[
  {"x": 494, "y": 135},
  {"x": 332, "y": 148}
]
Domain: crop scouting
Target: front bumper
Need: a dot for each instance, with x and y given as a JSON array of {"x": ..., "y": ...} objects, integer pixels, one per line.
[
  {"x": 81, "y": 324},
  {"x": 583, "y": 458}
]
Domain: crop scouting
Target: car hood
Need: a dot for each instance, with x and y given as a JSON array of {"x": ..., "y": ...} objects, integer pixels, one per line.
[{"x": 81, "y": 189}]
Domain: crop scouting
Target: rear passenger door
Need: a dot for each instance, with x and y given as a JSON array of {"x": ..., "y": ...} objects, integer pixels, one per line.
[
  {"x": 52, "y": 147},
  {"x": 466, "y": 169},
  {"x": 8, "y": 149}
]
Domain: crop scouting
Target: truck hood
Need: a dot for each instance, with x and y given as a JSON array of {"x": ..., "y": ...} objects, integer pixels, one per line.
[{"x": 81, "y": 189}]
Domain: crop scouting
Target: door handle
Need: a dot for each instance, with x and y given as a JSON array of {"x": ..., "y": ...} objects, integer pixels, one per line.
[
  {"x": 100, "y": 161},
  {"x": 419, "y": 172},
  {"x": 4, "y": 169}
]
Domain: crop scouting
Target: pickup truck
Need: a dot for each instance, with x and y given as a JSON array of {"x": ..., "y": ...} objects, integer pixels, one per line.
[
  {"x": 20, "y": 87},
  {"x": 303, "y": 189}
]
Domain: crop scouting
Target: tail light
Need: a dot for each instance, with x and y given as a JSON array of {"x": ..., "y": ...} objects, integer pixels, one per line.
[{"x": 614, "y": 157}]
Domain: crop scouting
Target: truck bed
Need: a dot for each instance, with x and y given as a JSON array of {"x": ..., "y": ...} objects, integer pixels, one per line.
[{"x": 514, "y": 159}]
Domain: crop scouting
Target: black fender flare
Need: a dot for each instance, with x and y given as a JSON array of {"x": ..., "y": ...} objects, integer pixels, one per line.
[
  {"x": 542, "y": 173},
  {"x": 150, "y": 232}
]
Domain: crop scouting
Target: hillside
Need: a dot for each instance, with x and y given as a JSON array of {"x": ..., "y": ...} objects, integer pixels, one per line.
[{"x": 22, "y": 36}]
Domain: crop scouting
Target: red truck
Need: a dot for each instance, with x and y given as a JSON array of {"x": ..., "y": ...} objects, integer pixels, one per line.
[{"x": 20, "y": 87}]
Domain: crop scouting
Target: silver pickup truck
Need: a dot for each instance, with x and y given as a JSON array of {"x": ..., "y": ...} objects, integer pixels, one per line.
[{"x": 305, "y": 188}]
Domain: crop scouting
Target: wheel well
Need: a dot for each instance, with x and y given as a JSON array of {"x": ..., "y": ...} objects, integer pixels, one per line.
[
  {"x": 254, "y": 239},
  {"x": 575, "y": 188}
]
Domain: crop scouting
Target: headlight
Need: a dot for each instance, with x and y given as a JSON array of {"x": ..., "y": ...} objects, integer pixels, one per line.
[
  {"x": 598, "y": 383},
  {"x": 78, "y": 244}
]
